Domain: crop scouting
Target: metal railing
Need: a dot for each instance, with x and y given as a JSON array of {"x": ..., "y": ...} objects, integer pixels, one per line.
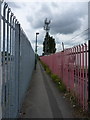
[
  {"x": 71, "y": 65},
  {"x": 16, "y": 63}
]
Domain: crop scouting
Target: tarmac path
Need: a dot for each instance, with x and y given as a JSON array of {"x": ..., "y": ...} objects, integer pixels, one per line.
[{"x": 43, "y": 99}]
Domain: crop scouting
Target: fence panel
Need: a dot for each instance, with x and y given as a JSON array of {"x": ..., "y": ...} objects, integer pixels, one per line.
[
  {"x": 0, "y": 66},
  {"x": 71, "y": 65},
  {"x": 16, "y": 63}
]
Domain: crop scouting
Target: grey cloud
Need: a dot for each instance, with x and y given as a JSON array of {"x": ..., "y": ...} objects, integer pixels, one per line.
[
  {"x": 13, "y": 5},
  {"x": 45, "y": 8},
  {"x": 69, "y": 21},
  {"x": 65, "y": 21},
  {"x": 40, "y": 41},
  {"x": 65, "y": 26},
  {"x": 37, "y": 20},
  {"x": 54, "y": 4}
]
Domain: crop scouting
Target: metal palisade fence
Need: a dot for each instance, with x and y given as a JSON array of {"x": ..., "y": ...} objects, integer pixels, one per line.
[
  {"x": 71, "y": 65},
  {"x": 16, "y": 63}
]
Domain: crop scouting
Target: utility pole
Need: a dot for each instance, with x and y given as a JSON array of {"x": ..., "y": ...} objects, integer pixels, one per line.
[
  {"x": 36, "y": 51},
  {"x": 63, "y": 46}
]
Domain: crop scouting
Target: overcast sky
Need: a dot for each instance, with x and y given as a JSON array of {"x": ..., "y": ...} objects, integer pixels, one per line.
[{"x": 68, "y": 19}]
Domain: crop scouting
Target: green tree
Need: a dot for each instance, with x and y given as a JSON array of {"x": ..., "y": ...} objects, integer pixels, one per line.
[{"x": 49, "y": 45}]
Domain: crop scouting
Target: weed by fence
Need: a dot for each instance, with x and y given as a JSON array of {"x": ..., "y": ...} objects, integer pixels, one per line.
[{"x": 54, "y": 77}]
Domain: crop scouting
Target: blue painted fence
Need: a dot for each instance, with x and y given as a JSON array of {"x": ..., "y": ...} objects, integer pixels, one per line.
[{"x": 17, "y": 60}]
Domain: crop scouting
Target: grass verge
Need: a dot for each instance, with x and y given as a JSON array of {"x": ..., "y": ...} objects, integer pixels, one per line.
[{"x": 54, "y": 77}]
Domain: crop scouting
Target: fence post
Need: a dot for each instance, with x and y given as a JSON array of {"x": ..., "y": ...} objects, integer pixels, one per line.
[
  {"x": 88, "y": 57},
  {"x": 17, "y": 64},
  {"x": 0, "y": 66},
  {"x": 89, "y": 75}
]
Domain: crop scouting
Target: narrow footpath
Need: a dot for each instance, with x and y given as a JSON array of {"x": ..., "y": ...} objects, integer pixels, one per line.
[{"x": 43, "y": 99}]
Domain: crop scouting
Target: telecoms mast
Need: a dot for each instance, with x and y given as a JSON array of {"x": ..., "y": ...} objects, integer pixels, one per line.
[{"x": 46, "y": 25}]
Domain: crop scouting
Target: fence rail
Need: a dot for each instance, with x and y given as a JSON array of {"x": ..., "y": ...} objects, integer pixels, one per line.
[
  {"x": 71, "y": 65},
  {"x": 16, "y": 63}
]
